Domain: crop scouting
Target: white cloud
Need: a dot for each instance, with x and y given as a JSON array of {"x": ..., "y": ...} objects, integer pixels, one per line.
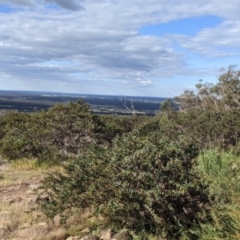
[
  {"x": 19, "y": 2},
  {"x": 102, "y": 43},
  {"x": 74, "y": 5},
  {"x": 220, "y": 41}
]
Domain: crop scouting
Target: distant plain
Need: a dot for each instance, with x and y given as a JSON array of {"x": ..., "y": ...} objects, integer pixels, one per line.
[{"x": 28, "y": 101}]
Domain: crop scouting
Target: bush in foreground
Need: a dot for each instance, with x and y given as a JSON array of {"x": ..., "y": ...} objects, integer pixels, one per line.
[{"x": 135, "y": 183}]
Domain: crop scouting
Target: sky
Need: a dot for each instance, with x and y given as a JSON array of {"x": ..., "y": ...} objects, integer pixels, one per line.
[{"x": 116, "y": 47}]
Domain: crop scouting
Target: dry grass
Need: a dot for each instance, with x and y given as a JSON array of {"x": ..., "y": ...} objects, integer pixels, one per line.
[
  {"x": 25, "y": 164},
  {"x": 19, "y": 216}
]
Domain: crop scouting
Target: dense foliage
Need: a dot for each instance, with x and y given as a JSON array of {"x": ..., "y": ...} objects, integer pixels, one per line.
[
  {"x": 206, "y": 128},
  {"x": 47, "y": 135},
  {"x": 129, "y": 183},
  {"x": 222, "y": 170},
  {"x": 60, "y": 133}
]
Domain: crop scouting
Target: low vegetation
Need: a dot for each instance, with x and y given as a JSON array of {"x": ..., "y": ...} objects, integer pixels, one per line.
[
  {"x": 172, "y": 176},
  {"x": 222, "y": 170}
]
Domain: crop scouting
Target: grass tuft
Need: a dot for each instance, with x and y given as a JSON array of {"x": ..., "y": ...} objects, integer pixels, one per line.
[
  {"x": 26, "y": 164},
  {"x": 222, "y": 170}
]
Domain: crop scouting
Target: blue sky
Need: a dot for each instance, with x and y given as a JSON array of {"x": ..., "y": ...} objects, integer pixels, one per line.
[
  {"x": 5, "y": 8},
  {"x": 186, "y": 26},
  {"x": 119, "y": 47}
]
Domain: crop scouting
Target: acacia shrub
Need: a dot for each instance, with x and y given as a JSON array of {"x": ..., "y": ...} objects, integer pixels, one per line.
[
  {"x": 53, "y": 135},
  {"x": 13, "y": 141},
  {"x": 140, "y": 184},
  {"x": 72, "y": 127},
  {"x": 111, "y": 125}
]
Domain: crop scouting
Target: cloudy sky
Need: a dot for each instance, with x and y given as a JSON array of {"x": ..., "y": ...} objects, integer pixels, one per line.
[{"x": 116, "y": 47}]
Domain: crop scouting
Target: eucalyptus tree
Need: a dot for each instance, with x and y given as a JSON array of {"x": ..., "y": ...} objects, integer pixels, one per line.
[{"x": 224, "y": 95}]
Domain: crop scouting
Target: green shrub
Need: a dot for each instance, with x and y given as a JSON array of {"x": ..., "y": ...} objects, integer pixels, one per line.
[
  {"x": 137, "y": 184},
  {"x": 53, "y": 135},
  {"x": 112, "y": 125},
  {"x": 206, "y": 129},
  {"x": 222, "y": 171},
  {"x": 13, "y": 141},
  {"x": 62, "y": 132}
]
